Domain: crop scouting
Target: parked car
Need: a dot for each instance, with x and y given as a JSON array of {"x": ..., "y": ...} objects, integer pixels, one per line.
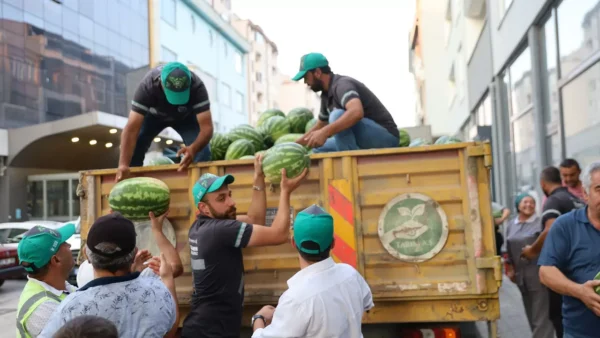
[
  {"x": 9, "y": 263},
  {"x": 11, "y": 234}
]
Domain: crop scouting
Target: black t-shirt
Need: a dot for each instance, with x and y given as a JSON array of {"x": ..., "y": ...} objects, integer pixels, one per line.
[
  {"x": 218, "y": 277},
  {"x": 342, "y": 89},
  {"x": 560, "y": 202},
  {"x": 149, "y": 98}
]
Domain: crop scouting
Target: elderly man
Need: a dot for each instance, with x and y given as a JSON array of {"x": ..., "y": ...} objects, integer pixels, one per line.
[
  {"x": 47, "y": 259},
  {"x": 138, "y": 306},
  {"x": 569, "y": 261},
  {"x": 324, "y": 299},
  {"x": 216, "y": 240},
  {"x": 351, "y": 116}
]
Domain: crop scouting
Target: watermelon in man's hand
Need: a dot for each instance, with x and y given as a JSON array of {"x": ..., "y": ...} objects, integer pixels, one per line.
[
  {"x": 289, "y": 155},
  {"x": 136, "y": 197}
]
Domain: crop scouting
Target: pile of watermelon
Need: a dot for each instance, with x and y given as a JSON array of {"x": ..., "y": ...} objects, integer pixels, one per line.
[{"x": 274, "y": 136}]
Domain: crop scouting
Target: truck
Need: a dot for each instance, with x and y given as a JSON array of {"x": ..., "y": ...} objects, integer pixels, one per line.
[{"x": 415, "y": 222}]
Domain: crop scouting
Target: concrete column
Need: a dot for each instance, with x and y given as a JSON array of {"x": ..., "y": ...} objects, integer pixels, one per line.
[{"x": 539, "y": 105}]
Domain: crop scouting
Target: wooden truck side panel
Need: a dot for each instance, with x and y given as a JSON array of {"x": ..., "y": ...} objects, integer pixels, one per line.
[{"x": 458, "y": 283}]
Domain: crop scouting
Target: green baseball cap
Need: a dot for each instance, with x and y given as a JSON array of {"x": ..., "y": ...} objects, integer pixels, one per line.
[
  {"x": 315, "y": 225},
  {"x": 209, "y": 183},
  {"x": 176, "y": 81},
  {"x": 309, "y": 62},
  {"x": 39, "y": 244}
]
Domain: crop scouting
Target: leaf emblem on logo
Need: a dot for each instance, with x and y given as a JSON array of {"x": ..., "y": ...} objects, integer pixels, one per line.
[{"x": 177, "y": 82}]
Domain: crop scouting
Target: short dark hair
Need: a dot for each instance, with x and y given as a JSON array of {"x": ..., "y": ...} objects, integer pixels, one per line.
[
  {"x": 88, "y": 327},
  {"x": 324, "y": 70},
  {"x": 551, "y": 175},
  {"x": 38, "y": 273},
  {"x": 570, "y": 163},
  {"x": 313, "y": 258}
]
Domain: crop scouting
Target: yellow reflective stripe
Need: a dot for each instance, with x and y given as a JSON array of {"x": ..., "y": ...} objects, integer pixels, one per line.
[{"x": 28, "y": 308}]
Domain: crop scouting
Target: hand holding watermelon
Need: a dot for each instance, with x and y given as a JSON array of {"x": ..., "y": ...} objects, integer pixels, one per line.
[
  {"x": 157, "y": 222},
  {"x": 288, "y": 185},
  {"x": 316, "y": 139},
  {"x": 188, "y": 153},
  {"x": 122, "y": 173},
  {"x": 258, "y": 170}
]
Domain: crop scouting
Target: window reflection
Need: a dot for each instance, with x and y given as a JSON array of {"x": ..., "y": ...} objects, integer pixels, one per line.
[
  {"x": 578, "y": 32},
  {"x": 66, "y": 59}
]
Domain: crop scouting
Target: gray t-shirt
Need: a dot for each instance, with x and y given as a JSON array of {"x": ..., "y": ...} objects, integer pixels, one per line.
[{"x": 140, "y": 307}]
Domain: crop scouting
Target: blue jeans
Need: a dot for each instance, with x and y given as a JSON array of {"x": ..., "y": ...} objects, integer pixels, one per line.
[
  {"x": 366, "y": 134},
  {"x": 187, "y": 128}
]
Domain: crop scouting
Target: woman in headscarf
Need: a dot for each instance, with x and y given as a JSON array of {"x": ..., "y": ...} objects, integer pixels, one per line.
[{"x": 522, "y": 231}]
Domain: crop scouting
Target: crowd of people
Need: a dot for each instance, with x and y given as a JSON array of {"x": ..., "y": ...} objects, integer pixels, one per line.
[{"x": 552, "y": 256}]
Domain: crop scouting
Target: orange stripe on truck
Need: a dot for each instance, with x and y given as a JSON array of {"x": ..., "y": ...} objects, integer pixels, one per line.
[{"x": 342, "y": 210}]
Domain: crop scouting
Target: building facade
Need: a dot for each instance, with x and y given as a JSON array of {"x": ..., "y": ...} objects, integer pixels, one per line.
[
  {"x": 293, "y": 94},
  {"x": 194, "y": 33},
  {"x": 263, "y": 73},
  {"x": 535, "y": 70}
]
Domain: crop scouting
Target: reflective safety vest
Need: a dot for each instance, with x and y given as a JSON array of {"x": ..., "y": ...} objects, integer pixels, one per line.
[{"x": 32, "y": 296}]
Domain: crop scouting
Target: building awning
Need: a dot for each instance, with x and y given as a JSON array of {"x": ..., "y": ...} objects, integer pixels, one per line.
[{"x": 82, "y": 142}]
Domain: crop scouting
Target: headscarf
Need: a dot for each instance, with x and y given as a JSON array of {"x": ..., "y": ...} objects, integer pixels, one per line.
[{"x": 520, "y": 197}]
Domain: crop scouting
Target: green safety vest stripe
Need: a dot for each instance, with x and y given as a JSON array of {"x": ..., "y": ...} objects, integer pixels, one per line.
[{"x": 28, "y": 305}]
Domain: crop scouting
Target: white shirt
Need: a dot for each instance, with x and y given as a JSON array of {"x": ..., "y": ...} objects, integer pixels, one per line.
[
  {"x": 323, "y": 300},
  {"x": 40, "y": 316}
]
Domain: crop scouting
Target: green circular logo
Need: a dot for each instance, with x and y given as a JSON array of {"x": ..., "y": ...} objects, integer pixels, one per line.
[{"x": 413, "y": 227}]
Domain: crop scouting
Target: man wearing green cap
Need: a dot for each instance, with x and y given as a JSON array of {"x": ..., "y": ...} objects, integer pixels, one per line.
[
  {"x": 216, "y": 240},
  {"x": 351, "y": 116},
  {"x": 47, "y": 258},
  {"x": 170, "y": 95},
  {"x": 324, "y": 299}
]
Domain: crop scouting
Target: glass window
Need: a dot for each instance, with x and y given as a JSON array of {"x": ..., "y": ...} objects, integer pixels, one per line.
[
  {"x": 101, "y": 35},
  {"x": 113, "y": 19},
  {"x": 582, "y": 117},
  {"x": 34, "y": 20},
  {"x": 75, "y": 198},
  {"x": 70, "y": 20},
  {"x": 226, "y": 94},
  {"x": 168, "y": 11},
  {"x": 258, "y": 37},
  {"x": 225, "y": 47},
  {"x": 101, "y": 10},
  {"x": 578, "y": 28},
  {"x": 86, "y": 28},
  {"x": 72, "y": 4},
  {"x": 484, "y": 112},
  {"x": 520, "y": 83},
  {"x": 524, "y": 142},
  {"x": 33, "y": 7},
  {"x": 167, "y": 55},
  {"x": 57, "y": 198},
  {"x": 238, "y": 62},
  {"x": 551, "y": 111},
  {"x": 53, "y": 13},
  {"x": 239, "y": 102},
  {"x": 36, "y": 199},
  {"x": 211, "y": 37}
]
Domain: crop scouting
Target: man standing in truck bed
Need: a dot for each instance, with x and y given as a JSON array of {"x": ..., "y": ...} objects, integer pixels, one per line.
[
  {"x": 351, "y": 116},
  {"x": 170, "y": 95}
]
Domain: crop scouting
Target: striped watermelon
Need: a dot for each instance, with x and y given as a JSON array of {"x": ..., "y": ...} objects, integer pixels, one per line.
[
  {"x": 246, "y": 132},
  {"x": 267, "y": 139},
  {"x": 247, "y": 157},
  {"x": 309, "y": 125},
  {"x": 218, "y": 146},
  {"x": 290, "y": 138},
  {"x": 162, "y": 160},
  {"x": 268, "y": 113},
  {"x": 276, "y": 126},
  {"x": 135, "y": 197},
  {"x": 239, "y": 148},
  {"x": 404, "y": 138},
  {"x": 290, "y": 155},
  {"x": 298, "y": 118}
]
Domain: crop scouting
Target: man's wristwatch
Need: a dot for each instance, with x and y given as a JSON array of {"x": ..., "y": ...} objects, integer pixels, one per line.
[{"x": 255, "y": 317}]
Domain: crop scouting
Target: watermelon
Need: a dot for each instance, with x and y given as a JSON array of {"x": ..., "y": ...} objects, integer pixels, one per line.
[
  {"x": 404, "y": 138},
  {"x": 298, "y": 118},
  {"x": 289, "y": 155},
  {"x": 597, "y": 288},
  {"x": 447, "y": 140},
  {"x": 246, "y": 132},
  {"x": 276, "y": 126},
  {"x": 163, "y": 160},
  {"x": 309, "y": 125},
  {"x": 247, "y": 157},
  {"x": 267, "y": 139},
  {"x": 218, "y": 146},
  {"x": 135, "y": 197},
  {"x": 289, "y": 138},
  {"x": 267, "y": 114},
  {"x": 418, "y": 142},
  {"x": 239, "y": 148},
  {"x": 259, "y": 152}
]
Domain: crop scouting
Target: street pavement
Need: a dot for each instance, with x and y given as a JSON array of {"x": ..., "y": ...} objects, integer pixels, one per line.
[{"x": 513, "y": 322}]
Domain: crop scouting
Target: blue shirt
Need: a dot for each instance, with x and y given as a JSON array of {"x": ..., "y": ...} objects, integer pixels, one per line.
[
  {"x": 573, "y": 246},
  {"x": 140, "y": 307}
]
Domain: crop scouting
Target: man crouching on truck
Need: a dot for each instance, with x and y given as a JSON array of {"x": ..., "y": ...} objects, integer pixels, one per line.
[{"x": 216, "y": 240}]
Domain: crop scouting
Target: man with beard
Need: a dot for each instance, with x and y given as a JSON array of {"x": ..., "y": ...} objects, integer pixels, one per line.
[
  {"x": 216, "y": 240},
  {"x": 351, "y": 116},
  {"x": 559, "y": 202}
]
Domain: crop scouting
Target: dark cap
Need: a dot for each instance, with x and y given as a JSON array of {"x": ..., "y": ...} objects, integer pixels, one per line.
[{"x": 112, "y": 228}]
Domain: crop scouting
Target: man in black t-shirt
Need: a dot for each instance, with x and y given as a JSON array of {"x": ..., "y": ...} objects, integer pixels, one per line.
[
  {"x": 559, "y": 202},
  {"x": 351, "y": 116},
  {"x": 170, "y": 95},
  {"x": 216, "y": 240}
]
